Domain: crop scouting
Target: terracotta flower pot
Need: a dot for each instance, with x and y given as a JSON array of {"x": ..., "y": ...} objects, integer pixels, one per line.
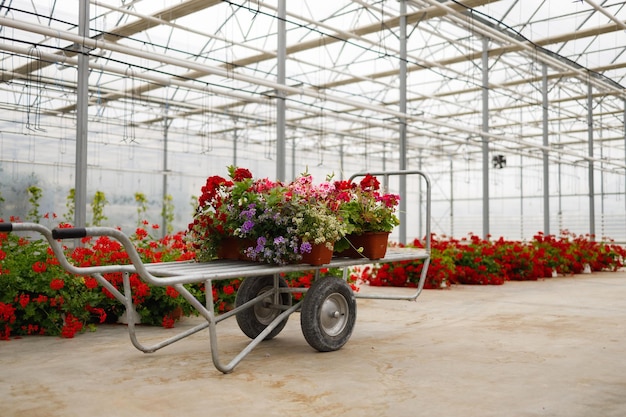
[
  {"x": 373, "y": 244},
  {"x": 233, "y": 247},
  {"x": 319, "y": 255},
  {"x": 229, "y": 248}
]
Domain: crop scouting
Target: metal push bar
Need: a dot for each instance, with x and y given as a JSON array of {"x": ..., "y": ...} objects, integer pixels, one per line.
[{"x": 327, "y": 311}]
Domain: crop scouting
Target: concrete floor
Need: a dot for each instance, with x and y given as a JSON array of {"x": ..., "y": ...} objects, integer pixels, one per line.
[{"x": 549, "y": 348}]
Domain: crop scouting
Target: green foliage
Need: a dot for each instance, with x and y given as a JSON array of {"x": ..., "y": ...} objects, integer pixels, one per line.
[
  {"x": 34, "y": 196},
  {"x": 167, "y": 212},
  {"x": 97, "y": 208},
  {"x": 70, "y": 205},
  {"x": 142, "y": 206},
  {"x": 38, "y": 297},
  {"x": 41, "y": 297},
  {"x": 193, "y": 202}
]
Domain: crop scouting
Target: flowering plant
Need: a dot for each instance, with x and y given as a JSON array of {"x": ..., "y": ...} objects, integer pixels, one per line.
[
  {"x": 284, "y": 221},
  {"x": 155, "y": 305},
  {"x": 268, "y": 224},
  {"x": 364, "y": 208},
  {"x": 478, "y": 261},
  {"x": 316, "y": 216},
  {"x": 280, "y": 221},
  {"x": 37, "y": 296},
  {"x": 210, "y": 223}
]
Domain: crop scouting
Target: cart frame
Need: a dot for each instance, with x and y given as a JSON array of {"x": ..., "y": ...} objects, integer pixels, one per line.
[{"x": 177, "y": 274}]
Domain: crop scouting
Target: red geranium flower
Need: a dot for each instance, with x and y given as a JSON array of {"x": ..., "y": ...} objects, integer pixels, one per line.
[
  {"x": 57, "y": 284},
  {"x": 39, "y": 267},
  {"x": 241, "y": 174},
  {"x": 171, "y": 292},
  {"x": 91, "y": 283},
  {"x": 370, "y": 182}
]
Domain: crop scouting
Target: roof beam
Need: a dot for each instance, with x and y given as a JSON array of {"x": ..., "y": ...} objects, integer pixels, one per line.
[{"x": 171, "y": 13}]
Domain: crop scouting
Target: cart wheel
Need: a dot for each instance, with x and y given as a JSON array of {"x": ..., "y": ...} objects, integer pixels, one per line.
[
  {"x": 252, "y": 321},
  {"x": 328, "y": 314}
]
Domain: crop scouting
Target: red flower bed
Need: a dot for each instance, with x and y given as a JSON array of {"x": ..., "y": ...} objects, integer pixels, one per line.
[
  {"x": 38, "y": 297},
  {"x": 477, "y": 261}
]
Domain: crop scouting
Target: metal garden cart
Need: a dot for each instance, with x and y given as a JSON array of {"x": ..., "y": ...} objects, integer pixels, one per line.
[{"x": 263, "y": 300}]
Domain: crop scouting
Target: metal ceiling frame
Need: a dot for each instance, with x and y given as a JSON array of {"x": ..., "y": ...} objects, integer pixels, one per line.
[
  {"x": 189, "y": 7},
  {"x": 333, "y": 107}
]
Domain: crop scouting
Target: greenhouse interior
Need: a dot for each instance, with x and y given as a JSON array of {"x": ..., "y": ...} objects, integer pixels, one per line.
[{"x": 514, "y": 109}]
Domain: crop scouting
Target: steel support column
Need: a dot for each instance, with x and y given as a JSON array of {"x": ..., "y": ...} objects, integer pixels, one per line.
[
  {"x": 82, "y": 102},
  {"x": 166, "y": 170},
  {"x": 521, "y": 195},
  {"x": 341, "y": 159},
  {"x": 451, "y": 195},
  {"x": 485, "y": 138},
  {"x": 280, "y": 95},
  {"x": 402, "y": 121},
  {"x": 592, "y": 209},
  {"x": 546, "y": 170},
  {"x": 293, "y": 158},
  {"x": 420, "y": 222}
]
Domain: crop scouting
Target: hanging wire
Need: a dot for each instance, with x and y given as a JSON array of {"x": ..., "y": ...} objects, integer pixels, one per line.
[
  {"x": 99, "y": 102},
  {"x": 31, "y": 148},
  {"x": 270, "y": 149},
  {"x": 128, "y": 135},
  {"x": 467, "y": 157},
  {"x": 366, "y": 140},
  {"x": 207, "y": 124},
  {"x": 320, "y": 151},
  {"x": 271, "y": 121},
  {"x": 34, "y": 89},
  {"x": 321, "y": 138},
  {"x": 381, "y": 37}
]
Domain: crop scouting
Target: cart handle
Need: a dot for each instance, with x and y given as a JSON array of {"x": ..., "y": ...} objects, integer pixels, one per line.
[
  {"x": 53, "y": 236},
  {"x": 69, "y": 233},
  {"x": 80, "y": 232}
]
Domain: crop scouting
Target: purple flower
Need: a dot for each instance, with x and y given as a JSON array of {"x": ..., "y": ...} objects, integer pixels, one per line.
[
  {"x": 247, "y": 226},
  {"x": 260, "y": 244},
  {"x": 305, "y": 247},
  {"x": 248, "y": 214}
]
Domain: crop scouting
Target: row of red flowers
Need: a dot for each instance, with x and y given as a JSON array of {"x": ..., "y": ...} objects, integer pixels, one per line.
[
  {"x": 38, "y": 297},
  {"x": 474, "y": 260}
]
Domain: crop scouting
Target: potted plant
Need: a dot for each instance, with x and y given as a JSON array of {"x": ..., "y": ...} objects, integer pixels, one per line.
[
  {"x": 316, "y": 219},
  {"x": 267, "y": 224},
  {"x": 221, "y": 215},
  {"x": 369, "y": 215},
  {"x": 209, "y": 224},
  {"x": 281, "y": 223}
]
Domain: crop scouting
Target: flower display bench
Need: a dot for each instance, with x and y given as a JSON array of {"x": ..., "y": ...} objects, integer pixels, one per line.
[{"x": 264, "y": 301}]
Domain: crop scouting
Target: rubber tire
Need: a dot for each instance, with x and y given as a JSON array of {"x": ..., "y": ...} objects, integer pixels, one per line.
[
  {"x": 322, "y": 328},
  {"x": 253, "y": 320}
]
